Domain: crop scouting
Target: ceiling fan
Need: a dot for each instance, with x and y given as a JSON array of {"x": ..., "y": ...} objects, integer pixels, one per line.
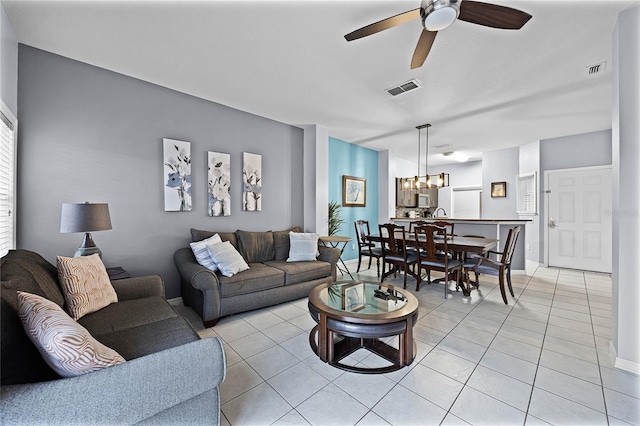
[{"x": 437, "y": 15}]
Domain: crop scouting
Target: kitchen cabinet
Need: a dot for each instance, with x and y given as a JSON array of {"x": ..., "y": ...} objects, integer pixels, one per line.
[{"x": 405, "y": 197}]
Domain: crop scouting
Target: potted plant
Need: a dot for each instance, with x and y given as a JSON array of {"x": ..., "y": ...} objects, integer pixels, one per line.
[{"x": 335, "y": 219}]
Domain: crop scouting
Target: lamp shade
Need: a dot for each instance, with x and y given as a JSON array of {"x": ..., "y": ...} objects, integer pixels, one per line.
[{"x": 85, "y": 217}]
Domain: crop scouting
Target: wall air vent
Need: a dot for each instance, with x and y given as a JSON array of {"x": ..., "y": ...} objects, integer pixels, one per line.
[
  {"x": 405, "y": 87},
  {"x": 597, "y": 68}
]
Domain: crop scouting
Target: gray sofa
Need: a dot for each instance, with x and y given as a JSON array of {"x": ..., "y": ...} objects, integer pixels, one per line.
[
  {"x": 269, "y": 281},
  {"x": 171, "y": 376}
]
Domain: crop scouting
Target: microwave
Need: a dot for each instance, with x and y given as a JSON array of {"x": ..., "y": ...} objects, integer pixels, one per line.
[{"x": 424, "y": 201}]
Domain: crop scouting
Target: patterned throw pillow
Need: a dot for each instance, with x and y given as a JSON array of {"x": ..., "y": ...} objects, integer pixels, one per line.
[
  {"x": 202, "y": 254},
  {"x": 85, "y": 284},
  {"x": 304, "y": 246},
  {"x": 229, "y": 261},
  {"x": 65, "y": 345}
]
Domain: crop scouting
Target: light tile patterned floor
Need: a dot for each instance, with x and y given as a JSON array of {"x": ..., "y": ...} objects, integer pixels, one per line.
[{"x": 542, "y": 359}]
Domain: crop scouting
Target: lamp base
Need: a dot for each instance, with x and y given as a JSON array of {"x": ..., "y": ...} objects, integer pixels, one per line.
[{"x": 88, "y": 247}]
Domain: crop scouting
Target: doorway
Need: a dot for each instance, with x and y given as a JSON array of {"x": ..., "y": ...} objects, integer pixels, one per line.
[
  {"x": 578, "y": 218},
  {"x": 466, "y": 203}
]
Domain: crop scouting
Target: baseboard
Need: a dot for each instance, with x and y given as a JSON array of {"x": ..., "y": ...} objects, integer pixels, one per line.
[
  {"x": 177, "y": 301},
  {"x": 621, "y": 363}
]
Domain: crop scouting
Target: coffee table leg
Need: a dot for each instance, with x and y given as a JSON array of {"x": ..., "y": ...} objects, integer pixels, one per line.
[
  {"x": 407, "y": 338},
  {"x": 322, "y": 338}
]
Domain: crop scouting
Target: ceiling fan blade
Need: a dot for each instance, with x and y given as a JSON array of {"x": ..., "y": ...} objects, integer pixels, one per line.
[
  {"x": 422, "y": 48},
  {"x": 492, "y": 15},
  {"x": 385, "y": 24}
]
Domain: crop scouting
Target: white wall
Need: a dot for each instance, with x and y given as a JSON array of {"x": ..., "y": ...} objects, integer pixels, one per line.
[
  {"x": 625, "y": 346},
  {"x": 8, "y": 63}
]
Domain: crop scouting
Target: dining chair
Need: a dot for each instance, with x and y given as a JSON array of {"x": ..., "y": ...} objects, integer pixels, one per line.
[
  {"x": 366, "y": 247},
  {"x": 502, "y": 267},
  {"x": 471, "y": 257},
  {"x": 430, "y": 259},
  {"x": 415, "y": 223},
  {"x": 395, "y": 253},
  {"x": 448, "y": 231}
]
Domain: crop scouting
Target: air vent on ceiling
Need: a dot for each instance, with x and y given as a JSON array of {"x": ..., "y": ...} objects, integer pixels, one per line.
[
  {"x": 405, "y": 87},
  {"x": 597, "y": 68}
]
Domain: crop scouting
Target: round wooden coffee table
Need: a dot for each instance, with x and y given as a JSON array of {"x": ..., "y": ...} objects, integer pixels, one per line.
[{"x": 362, "y": 312}]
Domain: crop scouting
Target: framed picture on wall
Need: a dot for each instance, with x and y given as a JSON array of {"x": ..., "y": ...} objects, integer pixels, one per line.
[
  {"x": 354, "y": 191},
  {"x": 498, "y": 189}
]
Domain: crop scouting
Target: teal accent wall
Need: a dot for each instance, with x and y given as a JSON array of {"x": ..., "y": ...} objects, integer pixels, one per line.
[{"x": 352, "y": 160}]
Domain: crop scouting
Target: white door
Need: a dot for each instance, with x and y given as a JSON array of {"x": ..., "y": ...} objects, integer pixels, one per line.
[
  {"x": 579, "y": 219},
  {"x": 466, "y": 203}
]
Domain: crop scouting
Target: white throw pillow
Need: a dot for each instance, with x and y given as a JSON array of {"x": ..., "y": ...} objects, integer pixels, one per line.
[
  {"x": 303, "y": 246},
  {"x": 85, "y": 284},
  {"x": 202, "y": 254},
  {"x": 229, "y": 261},
  {"x": 65, "y": 345}
]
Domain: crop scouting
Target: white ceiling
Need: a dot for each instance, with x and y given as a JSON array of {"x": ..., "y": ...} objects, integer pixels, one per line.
[{"x": 484, "y": 88}]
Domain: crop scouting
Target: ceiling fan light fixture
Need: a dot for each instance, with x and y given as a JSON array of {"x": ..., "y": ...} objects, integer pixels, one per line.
[{"x": 441, "y": 18}]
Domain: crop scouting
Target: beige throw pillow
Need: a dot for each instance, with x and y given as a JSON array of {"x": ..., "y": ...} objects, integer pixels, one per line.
[
  {"x": 85, "y": 284},
  {"x": 65, "y": 345}
]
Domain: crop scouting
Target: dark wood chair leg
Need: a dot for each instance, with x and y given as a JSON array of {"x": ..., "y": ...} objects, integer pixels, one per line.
[
  {"x": 509, "y": 280},
  {"x": 502, "y": 290},
  {"x": 359, "y": 261}
]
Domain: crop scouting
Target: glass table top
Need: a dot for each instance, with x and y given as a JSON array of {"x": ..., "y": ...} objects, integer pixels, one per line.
[{"x": 363, "y": 297}]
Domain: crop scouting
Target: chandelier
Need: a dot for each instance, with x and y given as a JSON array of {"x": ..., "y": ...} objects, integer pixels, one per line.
[{"x": 425, "y": 181}]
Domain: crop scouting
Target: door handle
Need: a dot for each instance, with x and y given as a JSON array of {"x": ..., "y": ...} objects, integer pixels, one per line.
[{"x": 552, "y": 223}]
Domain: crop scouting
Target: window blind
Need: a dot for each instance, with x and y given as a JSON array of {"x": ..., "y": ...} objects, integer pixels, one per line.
[
  {"x": 7, "y": 180},
  {"x": 527, "y": 194}
]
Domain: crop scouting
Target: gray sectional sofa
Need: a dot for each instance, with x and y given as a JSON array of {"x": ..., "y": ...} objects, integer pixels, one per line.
[
  {"x": 269, "y": 281},
  {"x": 171, "y": 376}
]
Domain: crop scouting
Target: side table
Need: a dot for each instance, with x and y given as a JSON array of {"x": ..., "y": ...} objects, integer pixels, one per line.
[
  {"x": 117, "y": 273},
  {"x": 340, "y": 243}
]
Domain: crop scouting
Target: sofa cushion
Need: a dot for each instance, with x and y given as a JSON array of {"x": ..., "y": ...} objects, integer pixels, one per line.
[
  {"x": 201, "y": 253},
  {"x": 21, "y": 361},
  {"x": 37, "y": 276},
  {"x": 150, "y": 338},
  {"x": 258, "y": 277},
  {"x": 281, "y": 243},
  {"x": 229, "y": 261},
  {"x": 64, "y": 344},
  {"x": 304, "y": 246},
  {"x": 85, "y": 284},
  {"x": 199, "y": 235},
  {"x": 298, "y": 272},
  {"x": 127, "y": 314},
  {"x": 256, "y": 246}
]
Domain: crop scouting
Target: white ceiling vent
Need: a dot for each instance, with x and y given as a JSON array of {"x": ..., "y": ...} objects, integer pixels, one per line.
[
  {"x": 405, "y": 87},
  {"x": 597, "y": 68}
]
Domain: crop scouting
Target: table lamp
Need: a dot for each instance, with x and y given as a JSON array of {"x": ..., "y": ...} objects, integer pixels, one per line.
[{"x": 87, "y": 217}]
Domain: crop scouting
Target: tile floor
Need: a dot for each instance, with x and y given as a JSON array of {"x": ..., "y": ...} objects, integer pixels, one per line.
[{"x": 542, "y": 359}]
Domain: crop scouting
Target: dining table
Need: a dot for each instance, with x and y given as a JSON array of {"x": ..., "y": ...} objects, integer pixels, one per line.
[{"x": 458, "y": 245}]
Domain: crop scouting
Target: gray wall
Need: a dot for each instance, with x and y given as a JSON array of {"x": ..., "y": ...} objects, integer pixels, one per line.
[
  {"x": 460, "y": 174},
  {"x": 570, "y": 152},
  {"x": 530, "y": 163},
  {"x": 87, "y": 134},
  {"x": 8, "y": 63},
  {"x": 500, "y": 166}
]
